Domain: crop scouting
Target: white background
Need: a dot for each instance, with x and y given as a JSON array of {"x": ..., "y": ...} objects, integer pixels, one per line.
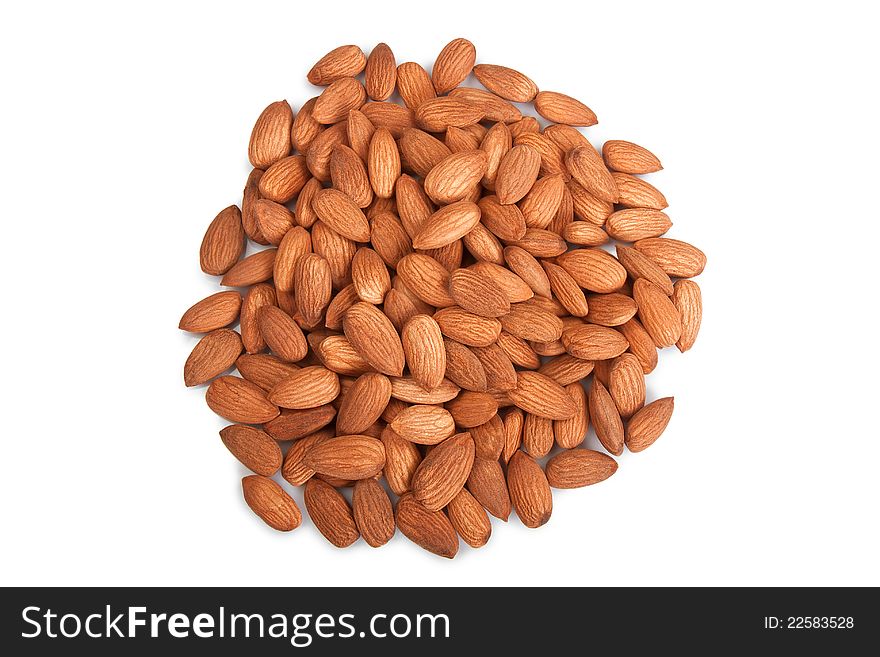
[{"x": 125, "y": 130}]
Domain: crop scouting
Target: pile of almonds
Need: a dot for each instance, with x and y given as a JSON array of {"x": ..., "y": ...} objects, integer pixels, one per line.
[{"x": 432, "y": 296}]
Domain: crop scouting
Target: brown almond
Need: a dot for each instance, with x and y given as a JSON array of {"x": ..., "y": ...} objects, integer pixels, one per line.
[
  {"x": 529, "y": 269},
  {"x": 657, "y": 313},
  {"x": 414, "y": 84},
  {"x": 448, "y": 224},
  {"x": 611, "y": 309},
  {"x": 493, "y": 107},
  {"x": 406, "y": 389},
  {"x": 559, "y": 108},
  {"x": 337, "y": 250},
  {"x": 294, "y": 424},
  {"x": 424, "y": 351},
  {"x": 370, "y": 276},
  {"x": 487, "y": 484},
  {"x": 363, "y": 403},
  {"x": 541, "y": 243},
  {"x": 540, "y": 205},
  {"x": 320, "y": 150},
  {"x": 264, "y": 370},
  {"x": 347, "y": 457},
  {"x": 594, "y": 269},
  {"x": 306, "y": 388},
  {"x": 383, "y": 163},
  {"x": 639, "y": 265},
  {"x": 633, "y": 224},
  {"x": 542, "y": 396},
  {"x": 566, "y": 290},
  {"x": 453, "y": 178},
  {"x": 587, "y": 168},
  {"x": 283, "y": 180},
  {"x": 270, "y": 138},
  {"x": 391, "y": 116},
  {"x": 297, "y": 242},
  {"x": 626, "y": 384},
  {"x": 389, "y": 238},
  {"x": 505, "y": 221},
  {"x": 249, "y": 196},
  {"x": 271, "y": 503},
  {"x": 443, "y": 472},
  {"x": 344, "y": 61},
  {"x": 469, "y": 519},
  {"x": 424, "y": 424},
  {"x": 579, "y": 467},
  {"x": 637, "y": 193},
  {"x": 402, "y": 458},
  {"x": 380, "y": 74},
  {"x": 438, "y": 114},
  {"x": 255, "y": 449},
  {"x": 214, "y": 354},
  {"x": 495, "y": 144},
  {"x": 256, "y": 268},
  {"x": 566, "y": 369},
  {"x": 688, "y": 300},
  {"x": 640, "y": 344},
  {"x": 513, "y": 428},
  {"x": 348, "y": 174},
  {"x": 592, "y": 342},
  {"x": 342, "y": 214},
  {"x": 373, "y": 336},
  {"x": 583, "y": 233},
  {"x": 571, "y": 432},
  {"x": 470, "y": 409},
  {"x": 531, "y": 323},
  {"x": 506, "y": 82},
  {"x": 422, "y": 152},
  {"x": 477, "y": 293},
  {"x": 212, "y": 313},
  {"x": 517, "y": 173},
  {"x": 239, "y": 400},
  {"x": 675, "y": 257},
  {"x": 529, "y": 490},
  {"x": 646, "y": 426},
  {"x": 430, "y": 530},
  {"x": 223, "y": 243},
  {"x": 426, "y": 278},
  {"x": 453, "y": 64},
  {"x": 330, "y": 513},
  {"x": 465, "y": 327},
  {"x": 463, "y": 367},
  {"x": 500, "y": 373},
  {"x": 537, "y": 437},
  {"x": 605, "y": 418},
  {"x": 627, "y": 157},
  {"x": 489, "y": 437},
  {"x": 373, "y": 513}
]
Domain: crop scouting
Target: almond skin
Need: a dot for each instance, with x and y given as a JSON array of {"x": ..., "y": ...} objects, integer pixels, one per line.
[
  {"x": 330, "y": 513},
  {"x": 487, "y": 484},
  {"x": 239, "y": 400},
  {"x": 579, "y": 467},
  {"x": 370, "y": 276},
  {"x": 517, "y": 173},
  {"x": 646, "y": 426},
  {"x": 688, "y": 300},
  {"x": 610, "y": 309},
  {"x": 402, "y": 458},
  {"x": 571, "y": 432},
  {"x": 492, "y": 107},
  {"x": 256, "y": 449},
  {"x": 255, "y": 268},
  {"x": 408, "y": 390},
  {"x": 414, "y": 84},
  {"x": 566, "y": 369},
  {"x": 383, "y": 163},
  {"x": 270, "y": 138},
  {"x": 542, "y": 396},
  {"x": 675, "y": 257},
  {"x": 471, "y": 409},
  {"x": 455, "y": 176},
  {"x": 448, "y": 224},
  {"x": 592, "y": 342},
  {"x": 657, "y": 313},
  {"x": 344, "y": 61},
  {"x": 348, "y": 173},
  {"x": 633, "y": 224},
  {"x": 453, "y": 64},
  {"x": 529, "y": 490},
  {"x": 506, "y": 82},
  {"x": 478, "y": 294},
  {"x": 531, "y": 323},
  {"x": 559, "y": 108},
  {"x": 500, "y": 373},
  {"x": 469, "y": 519},
  {"x": 587, "y": 168},
  {"x": 426, "y": 278},
  {"x": 627, "y": 157},
  {"x": 594, "y": 270},
  {"x": 421, "y": 152},
  {"x": 264, "y": 370},
  {"x": 363, "y": 403},
  {"x": 342, "y": 214},
  {"x": 430, "y": 530},
  {"x": 373, "y": 336},
  {"x": 443, "y": 472},
  {"x": 212, "y": 313},
  {"x": 626, "y": 384},
  {"x": 640, "y": 344},
  {"x": 505, "y": 221},
  {"x": 373, "y": 513},
  {"x": 637, "y": 193},
  {"x": 467, "y": 328},
  {"x": 283, "y": 336},
  {"x": 537, "y": 440},
  {"x": 380, "y": 74},
  {"x": 283, "y": 180},
  {"x": 347, "y": 457},
  {"x": 223, "y": 243},
  {"x": 605, "y": 418},
  {"x": 271, "y": 503},
  {"x": 214, "y": 354},
  {"x": 424, "y": 351},
  {"x": 424, "y": 424},
  {"x": 306, "y": 388},
  {"x": 294, "y": 424},
  {"x": 638, "y": 265},
  {"x": 438, "y": 114},
  {"x": 463, "y": 367}
]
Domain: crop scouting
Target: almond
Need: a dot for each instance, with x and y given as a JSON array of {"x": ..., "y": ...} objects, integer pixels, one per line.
[
  {"x": 463, "y": 367},
  {"x": 223, "y": 243},
  {"x": 330, "y": 513},
  {"x": 639, "y": 265},
  {"x": 264, "y": 370},
  {"x": 559, "y": 108},
  {"x": 424, "y": 351},
  {"x": 421, "y": 151},
  {"x": 627, "y": 384},
  {"x": 427, "y": 279},
  {"x": 640, "y": 344},
  {"x": 605, "y": 418},
  {"x": 424, "y": 424},
  {"x": 402, "y": 458},
  {"x": 500, "y": 373},
  {"x": 470, "y": 409},
  {"x": 270, "y": 138},
  {"x": 281, "y": 334},
  {"x": 283, "y": 180},
  {"x": 380, "y": 74},
  {"x": 517, "y": 172},
  {"x": 305, "y": 129},
  {"x": 349, "y": 175},
  {"x": 256, "y": 449},
  {"x": 592, "y": 342},
  {"x": 388, "y": 115},
  {"x": 447, "y": 225},
  {"x": 537, "y": 437},
  {"x": 478, "y": 294},
  {"x": 437, "y": 114},
  {"x": 239, "y": 400},
  {"x": 541, "y": 243},
  {"x": 634, "y": 224},
  {"x": 212, "y": 313},
  {"x": 540, "y": 205},
  {"x": 587, "y": 168},
  {"x": 594, "y": 269},
  {"x": 370, "y": 276},
  {"x": 489, "y": 437},
  {"x": 627, "y": 157},
  {"x": 495, "y": 144},
  {"x": 297, "y": 242},
  {"x": 271, "y": 503},
  {"x": 373, "y": 513},
  {"x": 256, "y": 268},
  {"x": 443, "y": 472},
  {"x": 579, "y": 467},
  {"x": 529, "y": 269},
  {"x": 454, "y": 177},
  {"x": 646, "y": 426},
  {"x": 294, "y": 471},
  {"x": 688, "y": 300},
  {"x": 306, "y": 388},
  {"x": 383, "y": 163},
  {"x": 363, "y": 403},
  {"x": 469, "y": 519},
  {"x": 571, "y": 432},
  {"x": 637, "y": 193},
  {"x": 566, "y": 290},
  {"x": 414, "y": 84},
  {"x": 341, "y": 62},
  {"x": 337, "y": 250},
  {"x": 406, "y": 389},
  {"x": 657, "y": 313},
  {"x": 611, "y": 309},
  {"x": 584, "y": 233},
  {"x": 513, "y": 428},
  {"x": 487, "y": 484},
  {"x": 295, "y": 424},
  {"x": 529, "y": 490},
  {"x": 389, "y": 238},
  {"x": 506, "y": 82},
  {"x": 515, "y": 288},
  {"x": 214, "y": 354},
  {"x": 249, "y": 197},
  {"x": 342, "y": 214},
  {"x": 453, "y": 64},
  {"x": 588, "y": 207},
  {"x": 467, "y": 328},
  {"x": 542, "y": 396},
  {"x": 505, "y": 221},
  {"x": 320, "y": 150},
  {"x": 493, "y": 108},
  {"x": 566, "y": 369},
  {"x": 430, "y": 530},
  {"x": 373, "y": 336},
  {"x": 675, "y": 257},
  {"x": 347, "y": 457},
  {"x": 531, "y": 323}
]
